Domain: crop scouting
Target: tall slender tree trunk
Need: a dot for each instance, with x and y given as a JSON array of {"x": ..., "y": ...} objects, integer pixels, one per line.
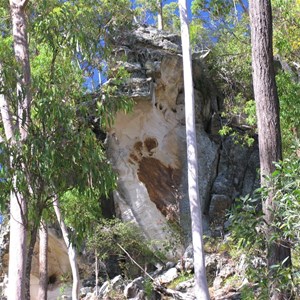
[
  {"x": 160, "y": 23},
  {"x": 296, "y": 133},
  {"x": 43, "y": 261},
  {"x": 96, "y": 272},
  {"x": 18, "y": 210},
  {"x": 267, "y": 108},
  {"x": 201, "y": 287},
  {"x": 71, "y": 250},
  {"x": 18, "y": 203}
]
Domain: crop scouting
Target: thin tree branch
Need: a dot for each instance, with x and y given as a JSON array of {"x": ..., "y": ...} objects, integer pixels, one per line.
[
  {"x": 246, "y": 11},
  {"x": 135, "y": 261}
]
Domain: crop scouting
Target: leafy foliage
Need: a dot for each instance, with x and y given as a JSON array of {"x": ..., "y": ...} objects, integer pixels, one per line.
[
  {"x": 227, "y": 26},
  {"x": 171, "y": 17},
  {"x": 81, "y": 211},
  {"x": 289, "y": 94},
  {"x": 146, "y": 10},
  {"x": 215, "y": 8},
  {"x": 248, "y": 227},
  {"x": 62, "y": 155},
  {"x": 287, "y": 29}
]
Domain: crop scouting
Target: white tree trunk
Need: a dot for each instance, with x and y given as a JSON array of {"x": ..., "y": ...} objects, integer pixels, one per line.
[
  {"x": 18, "y": 210},
  {"x": 160, "y": 24},
  {"x": 71, "y": 250},
  {"x": 43, "y": 261},
  {"x": 18, "y": 204},
  {"x": 21, "y": 49},
  {"x": 201, "y": 288},
  {"x": 17, "y": 246}
]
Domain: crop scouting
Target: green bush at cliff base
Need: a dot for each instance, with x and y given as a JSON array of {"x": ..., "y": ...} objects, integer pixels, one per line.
[
  {"x": 112, "y": 237},
  {"x": 248, "y": 228}
]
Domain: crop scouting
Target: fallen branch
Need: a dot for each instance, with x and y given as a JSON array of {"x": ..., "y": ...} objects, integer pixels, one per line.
[{"x": 135, "y": 261}]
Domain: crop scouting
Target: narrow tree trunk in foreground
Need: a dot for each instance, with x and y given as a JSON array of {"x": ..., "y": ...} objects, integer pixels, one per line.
[
  {"x": 43, "y": 261},
  {"x": 21, "y": 49},
  {"x": 267, "y": 108},
  {"x": 201, "y": 288},
  {"x": 71, "y": 250},
  {"x": 18, "y": 203},
  {"x": 18, "y": 210},
  {"x": 96, "y": 271}
]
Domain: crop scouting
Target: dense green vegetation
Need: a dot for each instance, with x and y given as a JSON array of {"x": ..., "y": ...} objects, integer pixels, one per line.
[{"x": 248, "y": 226}]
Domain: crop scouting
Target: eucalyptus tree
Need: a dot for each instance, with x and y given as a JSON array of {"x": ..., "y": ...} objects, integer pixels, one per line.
[
  {"x": 270, "y": 148},
  {"x": 227, "y": 35},
  {"x": 47, "y": 131},
  {"x": 171, "y": 17},
  {"x": 70, "y": 156},
  {"x": 201, "y": 287}
]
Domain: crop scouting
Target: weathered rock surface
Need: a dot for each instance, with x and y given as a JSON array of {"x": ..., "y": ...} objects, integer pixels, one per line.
[{"x": 147, "y": 146}]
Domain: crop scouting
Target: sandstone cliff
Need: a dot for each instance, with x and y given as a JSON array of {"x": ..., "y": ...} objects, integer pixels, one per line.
[{"x": 147, "y": 146}]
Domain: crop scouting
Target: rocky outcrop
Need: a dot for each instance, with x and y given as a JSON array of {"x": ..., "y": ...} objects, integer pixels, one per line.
[{"x": 147, "y": 146}]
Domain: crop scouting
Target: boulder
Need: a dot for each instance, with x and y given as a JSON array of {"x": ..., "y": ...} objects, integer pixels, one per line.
[
  {"x": 84, "y": 291},
  {"x": 168, "y": 276},
  {"x": 116, "y": 284},
  {"x": 134, "y": 289}
]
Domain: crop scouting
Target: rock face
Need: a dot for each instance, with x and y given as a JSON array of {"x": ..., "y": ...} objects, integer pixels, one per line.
[{"x": 147, "y": 147}]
